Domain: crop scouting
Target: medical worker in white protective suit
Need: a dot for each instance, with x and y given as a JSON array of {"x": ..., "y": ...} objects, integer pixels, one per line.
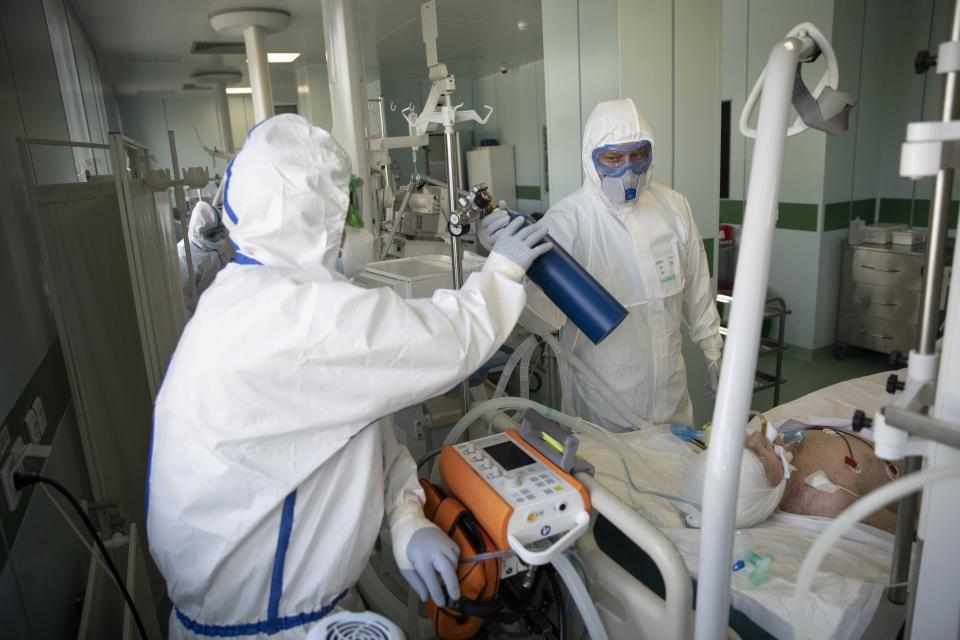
[
  {"x": 637, "y": 237},
  {"x": 210, "y": 251},
  {"x": 273, "y": 458}
]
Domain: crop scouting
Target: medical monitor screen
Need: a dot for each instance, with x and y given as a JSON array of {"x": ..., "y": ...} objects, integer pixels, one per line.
[{"x": 509, "y": 456}]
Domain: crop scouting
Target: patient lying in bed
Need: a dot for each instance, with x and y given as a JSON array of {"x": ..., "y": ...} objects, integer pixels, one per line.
[
  {"x": 816, "y": 471},
  {"x": 840, "y": 467}
]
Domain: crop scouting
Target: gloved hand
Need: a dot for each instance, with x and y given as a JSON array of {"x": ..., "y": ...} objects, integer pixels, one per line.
[
  {"x": 713, "y": 377},
  {"x": 489, "y": 225},
  {"x": 521, "y": 245},
  {"x": 432, "y": 553}
]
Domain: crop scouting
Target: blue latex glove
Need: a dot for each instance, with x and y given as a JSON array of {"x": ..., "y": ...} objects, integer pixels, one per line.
[
  {"x": 521, "y": 245},
  {"x": 434, "y": 557},
  {"x": 489, "y": 225}
]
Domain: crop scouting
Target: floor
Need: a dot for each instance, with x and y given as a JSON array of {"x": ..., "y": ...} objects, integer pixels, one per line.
[{"x": 805, "y": 372}]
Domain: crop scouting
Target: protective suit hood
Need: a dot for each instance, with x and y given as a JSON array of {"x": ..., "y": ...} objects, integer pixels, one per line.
[
  {"x": 287, "y": 194},
  {"x": 206, "y": 227},
  {"x": 612, "y": 122}
]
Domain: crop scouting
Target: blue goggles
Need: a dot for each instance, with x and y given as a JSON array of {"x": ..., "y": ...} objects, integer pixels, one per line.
[{"x": 614, "y": 160}]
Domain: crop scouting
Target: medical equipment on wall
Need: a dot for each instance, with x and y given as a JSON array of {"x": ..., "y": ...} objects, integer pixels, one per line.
[
  {"x": 827, "y": 110},
  {"x": 576, "y": 293},
  {"x": 923, "y": 420},
  {"x": 418, "y": 212}
]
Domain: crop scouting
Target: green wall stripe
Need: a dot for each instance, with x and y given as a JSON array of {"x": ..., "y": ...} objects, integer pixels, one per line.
[
  {"x": 895, "y": 210},
  {"x": 527, "y": 192},
  {"x": 731, "y": 211},
  {"x": 864, "y": 209},
  {"x": 708, "y": 247},
  {"x": 921, "y": 213},
  {"x": 836, "y": 216},
  {"x": 797, "y": 216},
  {"x": 793, "y": 215}
]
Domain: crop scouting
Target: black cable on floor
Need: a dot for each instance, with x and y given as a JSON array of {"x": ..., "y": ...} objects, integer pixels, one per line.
[{"x": 20, "y": 481}]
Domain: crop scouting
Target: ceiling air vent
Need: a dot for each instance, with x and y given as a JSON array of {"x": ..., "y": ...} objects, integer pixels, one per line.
[
  {"x": 153, "y": 57},
  {"x": 222, "y": 47}
]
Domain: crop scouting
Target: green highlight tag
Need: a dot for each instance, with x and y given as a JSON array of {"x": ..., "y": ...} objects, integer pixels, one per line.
[{"x": 354, "y": 216}]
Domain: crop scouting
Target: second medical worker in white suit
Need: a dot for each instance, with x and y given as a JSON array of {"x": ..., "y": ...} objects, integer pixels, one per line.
[
  {"x": 273, "y": 458},
  {"x": 638, "y": 238}
]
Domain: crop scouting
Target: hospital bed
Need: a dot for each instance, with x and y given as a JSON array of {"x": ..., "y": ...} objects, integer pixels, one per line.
[
  {"x": 641, "y": 562},
  {"x": 848, "y": 596}
]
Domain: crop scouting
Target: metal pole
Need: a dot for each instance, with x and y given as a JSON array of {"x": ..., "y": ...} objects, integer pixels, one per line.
[
  {"x": 740, "y": 352},
  {"x": 261, "y": 89},
  {"x": 348, "y": 98},
  {"x": 929, "y": 325},
  {"x": 387, "y": 174},
  {"x": 456, "y": 247},
  {"x": 223, "y": 115},
  {"x": 184, "y": 219}
]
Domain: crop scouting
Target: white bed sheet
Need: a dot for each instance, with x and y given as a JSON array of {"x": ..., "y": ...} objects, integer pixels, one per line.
[{"x": 852, "y": 579}]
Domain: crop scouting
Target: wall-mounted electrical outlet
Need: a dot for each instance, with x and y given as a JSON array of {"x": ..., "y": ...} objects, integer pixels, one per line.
[
  {"x": 10, "y": 466},
  {"x": 36, "y": 421},
  {"x": 41, "y": 414},
  {"x": 4, "y": 440}
]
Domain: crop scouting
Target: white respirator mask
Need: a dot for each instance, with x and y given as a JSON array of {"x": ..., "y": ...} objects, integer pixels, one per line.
[{"x": 623, "y": 169}]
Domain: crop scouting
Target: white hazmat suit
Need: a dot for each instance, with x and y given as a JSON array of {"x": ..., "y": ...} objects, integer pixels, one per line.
[
  {"x": 273, "y": 458},
  {"x": 210, "y": 251},
  {"x": 649, "y": 254}
]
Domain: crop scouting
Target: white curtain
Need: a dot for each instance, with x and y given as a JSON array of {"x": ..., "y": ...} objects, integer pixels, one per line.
[{"x": 80, "y": 85}]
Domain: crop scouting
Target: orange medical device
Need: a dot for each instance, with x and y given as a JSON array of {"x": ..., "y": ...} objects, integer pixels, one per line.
[{"x": 515, "y": 492}]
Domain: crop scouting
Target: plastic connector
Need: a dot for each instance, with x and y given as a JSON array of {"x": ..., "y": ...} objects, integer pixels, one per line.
[{"x": 759, "y": 567}]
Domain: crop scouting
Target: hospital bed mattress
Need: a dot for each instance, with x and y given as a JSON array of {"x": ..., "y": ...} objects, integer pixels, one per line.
[{"x": 852, "y": 578}]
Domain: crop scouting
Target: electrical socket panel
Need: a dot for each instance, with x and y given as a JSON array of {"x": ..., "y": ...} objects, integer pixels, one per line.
[
  {"x": 10, "y": 466},
  {"x": 36, "y": 421},
  {"x": 4, "y": 440}
]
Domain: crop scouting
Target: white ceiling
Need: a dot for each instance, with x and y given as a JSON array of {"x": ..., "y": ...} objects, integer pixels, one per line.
[{"x": 144, "y": 45}]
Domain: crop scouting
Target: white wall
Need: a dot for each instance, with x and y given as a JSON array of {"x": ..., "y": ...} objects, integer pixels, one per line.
[
  {"x": 44, "y": 568},
  {"x": 313, "y": 95},
  {"x": 581, "y": 68},
  {"x": 148, "y": 118},
  {"x": 750, "y": 30},
  {"x": 518, "y": 119}
]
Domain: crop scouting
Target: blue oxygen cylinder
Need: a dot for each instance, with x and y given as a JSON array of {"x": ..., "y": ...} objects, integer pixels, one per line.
[{"x": 575, "y": 292}]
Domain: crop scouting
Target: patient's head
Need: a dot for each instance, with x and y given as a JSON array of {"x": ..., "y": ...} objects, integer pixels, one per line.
[{"x": 761, "y": 483}]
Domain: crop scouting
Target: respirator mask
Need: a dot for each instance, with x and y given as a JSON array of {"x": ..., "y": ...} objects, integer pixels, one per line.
[{"x": 623, "y": 169}]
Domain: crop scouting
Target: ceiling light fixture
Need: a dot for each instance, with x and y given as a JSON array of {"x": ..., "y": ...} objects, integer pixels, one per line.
[
  {"x": 236, "y": 90},
  {"x": 282, "y": 57}
]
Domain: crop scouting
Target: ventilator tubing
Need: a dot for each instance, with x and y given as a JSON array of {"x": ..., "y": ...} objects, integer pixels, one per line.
[{"x": 575, "y": 292}]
